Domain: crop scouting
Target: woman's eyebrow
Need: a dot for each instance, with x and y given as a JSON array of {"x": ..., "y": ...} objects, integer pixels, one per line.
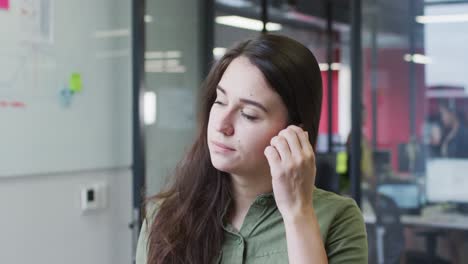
[
  {"x": 246, "y": 101},
  {"x": 257, "y": 104},
  {"x": 221, "y": 89}
]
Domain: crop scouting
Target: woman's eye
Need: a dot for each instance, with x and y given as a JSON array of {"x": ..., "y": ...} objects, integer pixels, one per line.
[
  {"x": 219, "y": 102},
  {"x": 249, "y": 117}
]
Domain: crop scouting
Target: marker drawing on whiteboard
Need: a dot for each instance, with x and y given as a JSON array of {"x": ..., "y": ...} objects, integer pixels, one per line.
[
  {"x": 17, "y": 104},
  {"x": 4, "y": 4},
  {"x": 66, "y": 97},
  {"x": 12, "y": 104},
  {"x": 75, "y": 85}
]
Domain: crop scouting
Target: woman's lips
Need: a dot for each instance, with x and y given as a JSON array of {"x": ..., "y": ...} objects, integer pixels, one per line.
[{"x": 219, "y": 147}]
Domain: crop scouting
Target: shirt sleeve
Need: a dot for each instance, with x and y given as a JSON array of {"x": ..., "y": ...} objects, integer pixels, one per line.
[
  {"x": 347, "y": 237},
  {"x": 142, "y": 246}
]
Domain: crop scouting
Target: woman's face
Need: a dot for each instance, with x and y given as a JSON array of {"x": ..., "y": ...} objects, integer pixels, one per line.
[
  {"x": 436, "y": 135},
  {"x": 446, "y": 117},
  {"x": 246, "y": 114}
]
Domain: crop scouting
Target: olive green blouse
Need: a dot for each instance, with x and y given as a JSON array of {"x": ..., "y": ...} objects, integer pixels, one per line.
[{"x": 262, "y": 237}]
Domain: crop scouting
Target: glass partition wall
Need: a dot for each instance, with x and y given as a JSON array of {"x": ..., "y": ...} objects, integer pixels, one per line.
[{"x": 414, "y": 135}]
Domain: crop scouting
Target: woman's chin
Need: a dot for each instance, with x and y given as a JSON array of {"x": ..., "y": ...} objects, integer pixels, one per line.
[{"x": 223, "y": 167}]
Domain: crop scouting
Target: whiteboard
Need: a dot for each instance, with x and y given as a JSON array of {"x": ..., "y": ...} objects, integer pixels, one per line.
[{"x": 65, "y": 85}]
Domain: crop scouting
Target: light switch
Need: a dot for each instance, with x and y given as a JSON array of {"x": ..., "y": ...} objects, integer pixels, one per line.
[{"x": 93, "y": 197}]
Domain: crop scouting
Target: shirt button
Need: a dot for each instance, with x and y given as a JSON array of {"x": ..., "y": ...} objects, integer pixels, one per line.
[
  {"x": 262, "y": 201},
  {"x": 240, "y": 240}
]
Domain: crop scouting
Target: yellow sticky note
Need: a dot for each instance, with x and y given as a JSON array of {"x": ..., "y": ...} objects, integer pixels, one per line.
[
  {"x": 341, "y": 162},
  {"x": 75, "y": 83}
]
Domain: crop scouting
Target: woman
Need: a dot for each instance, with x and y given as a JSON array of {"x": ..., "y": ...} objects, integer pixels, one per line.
[
  {"x": 245, "y": 193},
  {"x": 454, "y": 143}
]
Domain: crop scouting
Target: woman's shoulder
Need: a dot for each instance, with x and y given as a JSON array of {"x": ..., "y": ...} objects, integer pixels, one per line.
[
  {"x": 332, "y": 209},
  {"x": 151, "y": 209},
  {"x": 325, "y": 198},
  {"x": 342, "y": 227}
]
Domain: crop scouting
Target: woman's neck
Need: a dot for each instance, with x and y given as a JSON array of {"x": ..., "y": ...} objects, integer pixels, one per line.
[{"x": 245, "y": 190}]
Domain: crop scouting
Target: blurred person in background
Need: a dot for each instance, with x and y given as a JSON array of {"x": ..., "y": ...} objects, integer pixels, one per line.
[{"x": 454, "y": 143}]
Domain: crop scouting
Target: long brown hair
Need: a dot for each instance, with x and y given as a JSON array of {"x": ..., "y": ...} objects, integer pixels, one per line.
[{"x": 187, "y": 225}]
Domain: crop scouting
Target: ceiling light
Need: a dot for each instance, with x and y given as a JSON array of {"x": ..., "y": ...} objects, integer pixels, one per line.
[
  {"x": 149, "y": 105},
  {"x": 417, "y": 58},
  {"x": 235, "y": 3},
  {"x": 148, "y": 19},
  {"x": 246, "y": 23},
  {"x": 442, "y": 19},
  {"x": 323, "y": 66},
  {"x": 112, "y": 33},
  {"x": 218, "y": 52},
  {"x": 335, "y": 66}
]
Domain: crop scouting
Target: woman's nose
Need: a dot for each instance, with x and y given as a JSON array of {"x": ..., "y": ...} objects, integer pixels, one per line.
[{"x": 225, "y": 124}]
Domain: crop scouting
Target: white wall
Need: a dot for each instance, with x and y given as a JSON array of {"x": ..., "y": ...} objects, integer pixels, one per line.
[
  {"x": 42, "y": 44},
  {"x": 41, "y": 220}
]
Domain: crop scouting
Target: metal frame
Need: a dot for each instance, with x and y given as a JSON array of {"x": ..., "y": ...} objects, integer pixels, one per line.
[
  {"x": 138, "y": 138},
  {"x": 207, "y": 14},
  {"x": 356, "y": 99},
  {"x": 264, "y": 8},
  {"x": 329, "y": 10},
  {"x": 373, "y": 72},
  {"x": 412, "y": 70}
]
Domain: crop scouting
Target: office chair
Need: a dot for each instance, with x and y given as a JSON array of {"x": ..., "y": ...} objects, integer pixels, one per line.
[
  {"x": 385, "y": 238},
  {"x": 387, "y": 241}
]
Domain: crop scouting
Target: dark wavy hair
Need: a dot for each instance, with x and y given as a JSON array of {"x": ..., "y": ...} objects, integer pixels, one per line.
[{"x": 187, "y": 225}]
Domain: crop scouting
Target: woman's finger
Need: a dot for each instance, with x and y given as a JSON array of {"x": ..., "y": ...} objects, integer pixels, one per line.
[
  {"x": 272, "y": 156},
  {"x": 303, "y": 138},
  {"x": 281, "y": 145},
  {"x": 293, "y": 141}
]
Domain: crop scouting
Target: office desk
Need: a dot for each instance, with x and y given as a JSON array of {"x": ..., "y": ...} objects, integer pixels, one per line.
[
  {"x": 444, "y": 221},
  {"x": 453, "y": 225},
  {"x": 433, "y": 219},
  {"x": 451, "y": 221}
]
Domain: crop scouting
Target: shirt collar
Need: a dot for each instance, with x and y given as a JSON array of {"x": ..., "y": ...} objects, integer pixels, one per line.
[{"x": 265, "y": 199}]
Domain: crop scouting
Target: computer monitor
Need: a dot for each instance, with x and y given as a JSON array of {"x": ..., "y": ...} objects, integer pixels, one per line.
[
  {"x": 447, "y": 180},
  {"x": 406, "y": 195}
]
